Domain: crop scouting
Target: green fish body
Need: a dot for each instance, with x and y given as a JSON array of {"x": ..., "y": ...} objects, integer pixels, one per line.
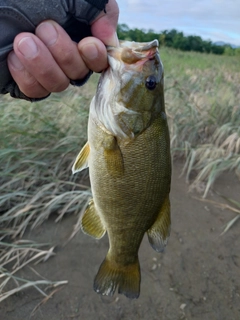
[{"x": 128, "y": 155}]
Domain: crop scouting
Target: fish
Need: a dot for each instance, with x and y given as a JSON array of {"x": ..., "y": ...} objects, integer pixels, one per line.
[{"x": 129, "y": 160}]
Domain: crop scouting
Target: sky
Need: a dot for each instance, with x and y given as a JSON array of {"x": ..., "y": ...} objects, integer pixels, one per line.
[{"x": 215, "y": 20}]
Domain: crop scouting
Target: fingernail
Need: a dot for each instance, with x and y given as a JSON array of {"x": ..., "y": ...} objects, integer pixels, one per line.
[
  {"x": 14, "y": 61},
  {"x": 47, "y": 33},
  {"x": 90, "y": 51},
  {"x": 113, "y": 41},
  {"x": 28, "y": 47}
]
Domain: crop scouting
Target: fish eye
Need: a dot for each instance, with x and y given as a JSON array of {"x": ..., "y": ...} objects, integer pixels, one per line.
[{"x": 151, "y": 83}]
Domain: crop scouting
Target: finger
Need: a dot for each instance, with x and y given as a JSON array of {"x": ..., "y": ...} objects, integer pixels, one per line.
[
  {"x": 104, "y": 27},
  {"x": 63, "y": 49},
  {"x": 38, "y": 62},
  {"x": 94, "y": 53},
  {"x": 26, "y": 82}
]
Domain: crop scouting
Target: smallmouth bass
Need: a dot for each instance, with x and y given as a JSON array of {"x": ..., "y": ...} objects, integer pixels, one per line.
[{"x": 128, "y": 155}]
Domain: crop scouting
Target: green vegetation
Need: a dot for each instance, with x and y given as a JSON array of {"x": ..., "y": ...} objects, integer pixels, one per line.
[
  {"x": 202, "y": 102},
  {"x": 175, "y": 39},
  {"x": 39, "y": 142}
]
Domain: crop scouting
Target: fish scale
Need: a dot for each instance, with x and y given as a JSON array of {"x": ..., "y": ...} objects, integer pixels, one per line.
[{"x": 128, "y": 154}]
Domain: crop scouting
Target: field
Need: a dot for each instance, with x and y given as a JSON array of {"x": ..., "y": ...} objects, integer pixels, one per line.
[{"x": 47, "y": 265}]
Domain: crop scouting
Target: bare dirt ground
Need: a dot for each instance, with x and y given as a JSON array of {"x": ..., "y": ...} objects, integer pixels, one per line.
[{"x": 198, "y": 276}]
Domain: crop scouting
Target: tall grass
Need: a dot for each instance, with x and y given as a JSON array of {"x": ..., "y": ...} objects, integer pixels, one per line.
[
  {"x": 202, "y": 98},
  {"x": 38, "y": 144}
]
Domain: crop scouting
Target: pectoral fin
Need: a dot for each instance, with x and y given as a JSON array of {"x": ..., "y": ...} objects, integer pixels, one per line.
[
  {"x": 113, "y": 156},
  {"x": 91, "y": 222},
  {"x": 159, "y": 232},
  {"x": 81, "y": 161}
]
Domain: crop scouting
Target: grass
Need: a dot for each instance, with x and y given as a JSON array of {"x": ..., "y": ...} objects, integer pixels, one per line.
[
  {"x": 202, "y": 101},
  {"x": 231, "y": 205},
  {"x": 19, "y": 254},
  {"x": 39, "y": 142}
]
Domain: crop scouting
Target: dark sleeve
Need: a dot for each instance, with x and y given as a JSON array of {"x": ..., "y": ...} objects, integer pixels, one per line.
[{"x": 18, "y": 16}]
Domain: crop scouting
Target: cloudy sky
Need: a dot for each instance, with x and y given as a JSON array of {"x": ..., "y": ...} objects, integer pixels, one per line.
[{"x": 217, "y": 20}]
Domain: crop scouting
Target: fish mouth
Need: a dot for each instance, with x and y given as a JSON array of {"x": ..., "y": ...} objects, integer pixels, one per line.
[
  {"x": 147, "y": 46},
  {"x": 131, "y": 52},
  {"x": 147, "y": 51}
]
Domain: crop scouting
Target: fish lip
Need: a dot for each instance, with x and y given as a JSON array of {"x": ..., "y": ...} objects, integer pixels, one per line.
[
  {"x": 131, "y": 52},
  {"x": 147, "y": 46},
  {"x": 142, "y": 46}
]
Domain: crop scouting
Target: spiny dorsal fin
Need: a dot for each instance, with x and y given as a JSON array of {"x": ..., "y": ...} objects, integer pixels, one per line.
[
  {"x": 159, "y": 232},
  {"x": 91, "y": 222},
  {"x": 81, "y": 161}
]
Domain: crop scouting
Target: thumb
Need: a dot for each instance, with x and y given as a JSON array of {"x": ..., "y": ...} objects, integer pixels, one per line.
[{"x": 104, "y": 26}]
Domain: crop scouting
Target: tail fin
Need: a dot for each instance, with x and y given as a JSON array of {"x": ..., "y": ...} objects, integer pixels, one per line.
[{"x": 126, "y": 278}]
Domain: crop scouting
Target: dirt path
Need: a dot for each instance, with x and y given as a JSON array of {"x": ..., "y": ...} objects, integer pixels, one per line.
[{"x": 198, "y": 277}]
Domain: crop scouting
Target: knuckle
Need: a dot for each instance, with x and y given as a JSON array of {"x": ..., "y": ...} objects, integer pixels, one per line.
[
  {"x": 27, "y": 83},
  {"x": 53, "y": 79},
  {"x": 33, "y": 91},
  {"x": 67, "y": 58},
  {"x": 59, "y": 87},
  {"x": 31, "y": 87}
]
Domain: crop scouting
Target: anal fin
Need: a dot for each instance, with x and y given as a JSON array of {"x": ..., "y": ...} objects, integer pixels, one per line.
[
  {"x": 159, "y": 232},
  {"x": 126, "y": 278},
  {"x": 81, "y": 161},
  {"x": 91, "y": 223}
]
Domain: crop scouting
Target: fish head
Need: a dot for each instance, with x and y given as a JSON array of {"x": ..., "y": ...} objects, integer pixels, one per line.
[
  {"x": 130, "y": 90},
  {"x": 139, "y": 71}
]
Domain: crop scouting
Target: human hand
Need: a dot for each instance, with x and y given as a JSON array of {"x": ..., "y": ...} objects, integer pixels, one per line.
[{"x": 45, "y": 62}]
